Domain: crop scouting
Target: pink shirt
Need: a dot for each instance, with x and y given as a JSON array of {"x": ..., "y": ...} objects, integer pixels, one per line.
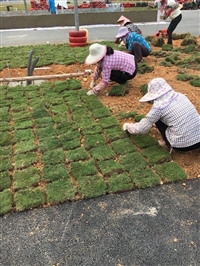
[{"x": 118, "y": 61}]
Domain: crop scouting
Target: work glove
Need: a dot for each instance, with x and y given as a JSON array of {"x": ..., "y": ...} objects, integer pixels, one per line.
[
  {"x": 90, "y": 93},
  {"x": 92, "y": 84},
  {"x": 125, "y": 126}
]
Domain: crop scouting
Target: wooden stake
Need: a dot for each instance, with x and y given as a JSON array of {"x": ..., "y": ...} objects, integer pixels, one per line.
[{"x": 71, "y": 75}]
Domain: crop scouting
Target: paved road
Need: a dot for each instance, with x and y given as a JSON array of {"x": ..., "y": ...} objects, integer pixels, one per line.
[
  {"x": 146, "y": 227},
  {"x": 190, "y": 23}
]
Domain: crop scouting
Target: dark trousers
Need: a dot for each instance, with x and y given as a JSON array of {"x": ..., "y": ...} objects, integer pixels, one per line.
[
  {"x": 139, "y": 51},
  {"x": 122, "y": 77},
  {"x": 173, "y": 24},
  {"x": 162, "y": 128}
]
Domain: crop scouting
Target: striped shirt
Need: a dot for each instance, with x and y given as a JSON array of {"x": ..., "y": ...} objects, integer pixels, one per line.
[
  {"x": 118, "y": 61},
  {"x": 180, "y": 116},
  {"x": 134, "y": 37}
]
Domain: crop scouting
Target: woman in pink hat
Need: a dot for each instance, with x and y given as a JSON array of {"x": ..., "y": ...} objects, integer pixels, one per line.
[
  {"x": 173, "y": 114},
  {"x": 111, "y": 64}
]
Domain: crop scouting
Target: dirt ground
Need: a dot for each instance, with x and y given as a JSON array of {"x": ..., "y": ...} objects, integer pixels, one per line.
[{"x": 190, "y": 161}]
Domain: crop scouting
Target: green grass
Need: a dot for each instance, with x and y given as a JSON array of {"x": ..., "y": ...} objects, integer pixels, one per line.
[{"x": 57, "y": 144}]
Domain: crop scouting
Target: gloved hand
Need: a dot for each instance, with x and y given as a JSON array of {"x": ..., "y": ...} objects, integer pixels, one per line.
[
  {"x": 92, "y": 84},
  {"x": 125, "y": 126}
]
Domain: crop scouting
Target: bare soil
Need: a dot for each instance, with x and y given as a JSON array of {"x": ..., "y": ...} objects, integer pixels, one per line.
[{"x": 189, "y": 161}]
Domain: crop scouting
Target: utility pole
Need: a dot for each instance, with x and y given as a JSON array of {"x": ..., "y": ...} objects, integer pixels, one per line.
[
  {"x": 25, "y": 6},
  {"x": 75, "y": 14}
]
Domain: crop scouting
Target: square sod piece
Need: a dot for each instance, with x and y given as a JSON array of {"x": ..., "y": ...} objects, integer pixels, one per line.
[
  {"x": 119, "y": 183},
  {"x": 29, "y": 198},
  {"x": 59, "y": 109},
  {"x": 144, "y": 141},
  {"x": 53, "y": 157},
  {"x": 54, "y": 172},
  {"x": 107, "y": 122},
  {"x": 76, "y": 154},
  {"x": 170, "y": 171},
  {"x": 123, "y": 146},
  {"x": 23, "y": 124},
  {"x": 83, "y": 168},
  {"x": 5, "y": 163},
  {"x": 6, "y": 201},
  {"x": 109, "y": 167},
  {"x": 70, "y": 144},
  {"x": 4, "y": 114},
  {"x": 5, "y": 180},
  {"x": 133, "y": 160},
  {"x": 25, "y": 146},
  {"x": 23, "y": 134},
  {"x": 96, "y": 129},
  {"x": 46, "y": 132},
  {"x": 91, "y": 186},
  {"x": 44, "y": 122},
  {"x": 25, "y": 160},
  {"x": 102, "y": 152},
  {"x": 114, "y": 133},
  {"x": 20, "y": 116},
  {"x": 144, "y": 178},
  {"x": 85, "y": 121},
  {"x": 40, "y": 112},
  {"x": 60, "y": 190},
  {"x": 101, "y": 112},
  {"x": 25, "y": 178},
  {"x": 69, "y": 129},
  {"x": 4, "y": 126},
  {"x": 5, "y": 151},
  {"x": 91, "y": 141},
  {"x": 5, "y": 138},
  {"x": 49, "y": 143},
  {"x": 156, "y": 154}
]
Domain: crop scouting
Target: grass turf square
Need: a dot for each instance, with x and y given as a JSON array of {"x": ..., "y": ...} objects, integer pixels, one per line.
[
  {"x": 144, "y": 141},
  {"x": 170, "y": 171},
  {"x": 123, "y": 146},
  {"x": 54, "y": 172},
  {"x": 5, "y": 138},
  {"x": 114, "y": 133},
  {"x": 60, "y": 190},
  {"x": 40, "y": 112},
  {"x": 29, "y": 198},
  {"x": 25, "y": 178},
  {"x": 107, "y": 122},
  {"x": 49, "y": 144},
  {"x": 76, "y": 154},
  {"x": 101, "y": 112},
  {"x": 91, "y": 141},
  {"x": 91, "y": 186},
  {"x": 53, "y": 156},
  {"x": 44, "y": 122},
  {"x": 25, "y": 146},
  {"x": 6, "y": 201},
  {"x": 144, "y": 178},
  {"x": 5, "y": 180},
  {"x": 83, "y": 168},
  {"x": 5, "y": 150},
  {"x": 23, "y": 124},
  {"x": 5, "y": 163},
  {"x": 45, "y": 132},
  {"x": 119, "y": 183},
  {"x": 5, "y": 126},
  {"x": 95, "y": 129},
  {"x": 133, "y": 161},
  {"x": 102, "y": 152},
  {"x": 23, "y": 134},
  {"x": 156, "y": 154},
  {"x": 70, "y": 144},
  {"x": 25, "y": 160},
  {"x": 20, "y": 116},
  {"x": 109, "y": 167}
]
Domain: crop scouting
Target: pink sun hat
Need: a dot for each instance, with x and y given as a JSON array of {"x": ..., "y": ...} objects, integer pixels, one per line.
[
  {"x": 123, "y": 20},
  {"x": 156, "y": 88}
]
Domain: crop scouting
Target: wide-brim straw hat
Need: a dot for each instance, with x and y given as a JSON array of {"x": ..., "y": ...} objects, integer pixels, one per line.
[
  {"x": 123, "y": 31},
  {"x": 123, "y": 20},
  {"x": 97, "y": 52},
  {"x": 156, "y": 88}
]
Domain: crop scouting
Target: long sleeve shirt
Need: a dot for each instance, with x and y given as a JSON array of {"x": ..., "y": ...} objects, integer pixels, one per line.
[
  {"x": 180, "y": 116},
  {"x": 117, "y": 61}
]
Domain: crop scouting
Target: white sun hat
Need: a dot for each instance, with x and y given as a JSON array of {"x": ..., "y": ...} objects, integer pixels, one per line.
[
  {"x": 156, "y": 88},
  {"x": 97, "y": 52},
  {"x": 123, "y": 20},
  {"x": 123, "y": 31}
]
